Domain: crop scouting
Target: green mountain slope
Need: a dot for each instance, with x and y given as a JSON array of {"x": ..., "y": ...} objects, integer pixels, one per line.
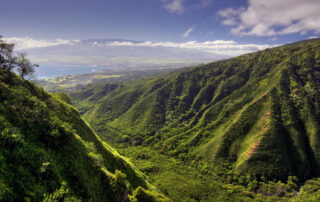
[
  {"x": 49, "y": 153},
  {"x": 259, "y": 112}
]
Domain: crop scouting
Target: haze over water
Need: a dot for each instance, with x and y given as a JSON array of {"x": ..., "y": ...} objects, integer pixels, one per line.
[{"x": 47, "y": 71}]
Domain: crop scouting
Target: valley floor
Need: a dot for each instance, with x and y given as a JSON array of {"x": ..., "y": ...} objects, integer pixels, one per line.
[{"x": 191, "y": 181}]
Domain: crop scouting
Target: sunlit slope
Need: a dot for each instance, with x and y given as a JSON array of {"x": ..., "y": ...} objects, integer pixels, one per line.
[
  {"x": 49, "y": 153},
  {"x": 259, "y": 112}
]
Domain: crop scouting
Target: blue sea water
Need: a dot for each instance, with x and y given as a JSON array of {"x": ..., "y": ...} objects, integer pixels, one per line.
[{"x": 47, "y": 71}]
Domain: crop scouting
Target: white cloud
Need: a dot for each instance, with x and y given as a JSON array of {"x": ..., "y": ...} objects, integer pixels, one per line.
[
  {"x": 230, "y": 48},
  {"x": 174, "y": 6},
  {"x": 313, "y": 37},
  {"x": 187, "y": 33},
  {"x": 230, "y": 15},
  {"x": 230, "y": 12},
  {"x": 274, "y": 17},
  {"x": 28, "y": 43},
  {"x": 179, "y": 6},
  {"x": 222, "y": 47}
]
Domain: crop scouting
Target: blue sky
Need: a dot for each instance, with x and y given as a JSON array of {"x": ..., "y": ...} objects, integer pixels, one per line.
[
  {"x": 129, "y": 19},
  {"x": 268, "y": 22}
]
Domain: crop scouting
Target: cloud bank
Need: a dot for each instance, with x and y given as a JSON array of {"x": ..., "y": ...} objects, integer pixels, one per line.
[
  {"x": 273, "y": 17},
  {"x": 28, "y": 43},
  {"x": 221, "y": 47},
  {"x": 230, "y": 48}
]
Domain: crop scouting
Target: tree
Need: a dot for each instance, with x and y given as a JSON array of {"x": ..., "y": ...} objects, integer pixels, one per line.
[
  {"x": 9, "y": 61},
  {"x": 6, "y": 57},
  {"x": 25, "y": 67}
]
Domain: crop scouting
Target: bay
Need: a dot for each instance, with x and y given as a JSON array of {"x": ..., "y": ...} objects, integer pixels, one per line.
[{"x": 48, "y": 71}]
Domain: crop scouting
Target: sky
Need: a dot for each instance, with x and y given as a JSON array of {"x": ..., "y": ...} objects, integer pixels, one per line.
[{"x": 260, "y": 23}]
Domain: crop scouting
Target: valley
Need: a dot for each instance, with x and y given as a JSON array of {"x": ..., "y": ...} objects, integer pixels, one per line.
[
  {"x": 239, "y": 123},
  {"x": 160, "y": 101},
  {"x": 241, "y": 129}
]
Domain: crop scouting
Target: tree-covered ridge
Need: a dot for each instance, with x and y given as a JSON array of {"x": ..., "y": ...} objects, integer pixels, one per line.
[
  {"x": 259, "y": 112},
  {"x": 49, "y": 153}
]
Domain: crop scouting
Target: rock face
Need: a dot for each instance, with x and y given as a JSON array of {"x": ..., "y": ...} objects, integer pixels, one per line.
[{"x": 258, "y": 112}]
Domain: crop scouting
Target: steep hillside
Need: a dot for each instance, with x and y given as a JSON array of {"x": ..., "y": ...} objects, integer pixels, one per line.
[
  {"x": 258, "y": 112},
  {"x": 49, "y": 153}
]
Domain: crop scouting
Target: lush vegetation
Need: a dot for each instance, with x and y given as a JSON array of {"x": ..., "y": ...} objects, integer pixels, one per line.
[
  {"x": 47, "y": 152},
  {"x": 184, "y": 181},
  {"x": 242, "y": 129},
  {"x": 251, "y": 121}
]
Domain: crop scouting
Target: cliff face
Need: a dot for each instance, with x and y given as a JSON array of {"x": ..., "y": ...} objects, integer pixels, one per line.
[{"x": 258, "y": 112}]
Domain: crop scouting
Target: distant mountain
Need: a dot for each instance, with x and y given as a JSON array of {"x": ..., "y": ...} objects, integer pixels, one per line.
[
  {"x": 258, "y": 112},
  {"x": 104, "y": 41},
  {"x": 119, "y": 52}
]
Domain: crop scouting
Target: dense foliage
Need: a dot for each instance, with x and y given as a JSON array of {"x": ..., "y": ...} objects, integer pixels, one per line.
[
  {"x": 257, "y": 113},
  {"x": 47, "y": 152}
]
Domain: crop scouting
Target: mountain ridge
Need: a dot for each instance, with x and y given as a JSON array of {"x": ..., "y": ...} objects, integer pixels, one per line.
[
  {"x": 48, "y": 152},
  {"x": 257, "y": 111}
]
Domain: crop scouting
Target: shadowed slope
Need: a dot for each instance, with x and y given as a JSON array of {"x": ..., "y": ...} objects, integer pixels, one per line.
[{"x": 49, "y": 153}]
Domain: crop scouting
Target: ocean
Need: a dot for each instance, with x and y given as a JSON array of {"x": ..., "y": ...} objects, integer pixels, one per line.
[{"x": 47, "y": 71}]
